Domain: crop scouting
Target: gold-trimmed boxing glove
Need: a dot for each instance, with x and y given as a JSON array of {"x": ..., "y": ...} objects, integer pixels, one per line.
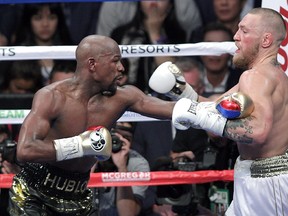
[
  {"x": 235, "y": 105},
  {"x": 96, "y": 141}
]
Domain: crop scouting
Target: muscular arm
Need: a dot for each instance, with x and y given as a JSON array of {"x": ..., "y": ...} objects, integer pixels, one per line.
[
  {"x": 255, "y": 128},
  {"x": 149, "y": 105},
  {"x": 33, "y": 145}
]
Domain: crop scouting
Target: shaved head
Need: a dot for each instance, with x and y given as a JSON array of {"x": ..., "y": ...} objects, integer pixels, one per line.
[
  {"x": 95, "y": 46},
  {"x": 272, "y": 22}
]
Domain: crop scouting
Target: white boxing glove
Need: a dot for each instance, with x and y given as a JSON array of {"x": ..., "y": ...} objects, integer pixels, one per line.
[
  {"x": 168, "y": 79},
  {"x": 96, "y": 141},
  {"x": 188, "y": 113}
]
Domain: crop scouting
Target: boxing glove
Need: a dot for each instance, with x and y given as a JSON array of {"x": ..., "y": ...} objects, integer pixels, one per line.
[
  {"x": 96, "y": 141},
  {"x": 168, "y": 79},
  {"x": 188, "y": 113},
  {"x": 235, "y": 105}
]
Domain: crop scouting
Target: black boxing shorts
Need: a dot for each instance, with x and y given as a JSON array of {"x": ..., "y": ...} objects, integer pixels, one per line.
[{"x": 46, "y": 190}]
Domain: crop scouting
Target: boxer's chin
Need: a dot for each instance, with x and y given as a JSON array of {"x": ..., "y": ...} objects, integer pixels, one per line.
[
  {"x": 110, "y": 91},
  {"x": 240, "y": 62}
]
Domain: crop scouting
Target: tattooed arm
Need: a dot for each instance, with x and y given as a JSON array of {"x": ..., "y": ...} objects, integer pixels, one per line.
[
  {"x": 239, "y": 130},
  {"x": 255, "y": 128}
]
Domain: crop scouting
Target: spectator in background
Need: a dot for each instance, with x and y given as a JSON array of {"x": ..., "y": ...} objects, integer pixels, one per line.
[
  {"x": 115, "y": 14},
  {"x": 62, "y": 69},
  {"x": 229, "y": 12},
  {"x": 81, "y": 19},
  {"x": 154, "y": 23},
  {"x": 219, "y": 75},
  {"x": 126, "y": 200},
  {"x": 24, "y": 77},
  {"x": 249, "y": 5},
  {"x": 207, "y": 10},
  {"x": 43, "y": 25},
  {"x": 9, "y": 17},
  {"x": 7, "y": 154},
  {"x": 226, "y": 12},
  {"x": 7, "y": 165},
  {"x": 193, "y": 71}
]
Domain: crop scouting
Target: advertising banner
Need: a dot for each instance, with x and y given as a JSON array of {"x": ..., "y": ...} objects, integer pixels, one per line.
[{"x": 282, "y": 7}]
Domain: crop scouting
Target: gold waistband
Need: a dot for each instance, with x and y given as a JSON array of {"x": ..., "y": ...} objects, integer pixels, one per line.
[{"x": 269, "y": 167}]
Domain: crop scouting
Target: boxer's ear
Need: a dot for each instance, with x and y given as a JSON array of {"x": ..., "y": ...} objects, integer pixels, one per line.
[
  {"x": 91, "y": 63},
  {"x": 267, "y": 40}
]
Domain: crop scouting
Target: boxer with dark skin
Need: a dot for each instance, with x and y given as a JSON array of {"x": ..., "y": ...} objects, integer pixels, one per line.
[{"x": 67, "y": 108}]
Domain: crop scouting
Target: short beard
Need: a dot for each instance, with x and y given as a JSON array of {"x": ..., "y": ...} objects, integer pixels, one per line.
[
  {"x": 240, "y": 63},
  {"x": 246, "y": 62}
]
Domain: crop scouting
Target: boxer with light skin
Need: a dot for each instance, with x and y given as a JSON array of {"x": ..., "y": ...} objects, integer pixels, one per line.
[{"x": 261, "y": 170}]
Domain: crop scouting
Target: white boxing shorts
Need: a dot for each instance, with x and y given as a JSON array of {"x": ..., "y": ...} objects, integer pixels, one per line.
[{"x": 260, "y": 187}]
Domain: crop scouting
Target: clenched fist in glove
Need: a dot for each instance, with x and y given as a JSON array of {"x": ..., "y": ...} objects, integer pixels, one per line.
[
  {"x": 96, "y": 141},
  {"x": 168, "y": 79},
  {"x": 211, "y": 116},
  {"x": 189, "y": 113},
  {"x": 235, "y": 105}
]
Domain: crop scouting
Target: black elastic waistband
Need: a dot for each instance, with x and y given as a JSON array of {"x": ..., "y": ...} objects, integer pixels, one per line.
[{"x": 54, "y": 181}]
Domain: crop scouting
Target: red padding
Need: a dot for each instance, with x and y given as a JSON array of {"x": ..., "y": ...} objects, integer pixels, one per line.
[{"x": 112, "y": 179}]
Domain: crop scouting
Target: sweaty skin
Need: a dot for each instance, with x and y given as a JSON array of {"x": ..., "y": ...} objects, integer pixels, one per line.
[
  {"x": 90, "y": 98},
  {"x": 263, "y": 134}
]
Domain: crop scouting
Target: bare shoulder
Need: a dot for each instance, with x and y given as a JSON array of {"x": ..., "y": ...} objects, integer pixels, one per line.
[
  {"x": 130, "y": 92},
  {"x": 264, "y": 77},
  {"x": 48, "y": 99},
  {"x": 257, "y": 74}
]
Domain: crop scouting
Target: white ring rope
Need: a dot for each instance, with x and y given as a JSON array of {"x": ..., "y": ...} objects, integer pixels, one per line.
[
  {"x": 17, "y": 116},
  {"x": 127, "y": 51}
]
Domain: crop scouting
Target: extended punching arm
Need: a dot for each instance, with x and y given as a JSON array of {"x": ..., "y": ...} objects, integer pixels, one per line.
[
  {"x": 211, "y": 116},
  {"x": 95, "y": 141},
  {"x": 168, "y": 79}
]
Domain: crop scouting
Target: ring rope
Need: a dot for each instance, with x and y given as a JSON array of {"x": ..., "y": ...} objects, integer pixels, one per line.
[
  {"x": 17, "y": 116},
  {"x": 116, "y": 179},
  {"x": 127, "y": 51}
]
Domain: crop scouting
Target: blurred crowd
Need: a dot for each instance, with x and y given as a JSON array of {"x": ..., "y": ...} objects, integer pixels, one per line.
[{"x": 149, "y": 145}]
